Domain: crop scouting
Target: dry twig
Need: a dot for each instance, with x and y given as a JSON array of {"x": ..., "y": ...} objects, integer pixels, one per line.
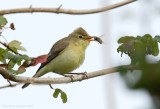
[{"x": 65, "y": 11}]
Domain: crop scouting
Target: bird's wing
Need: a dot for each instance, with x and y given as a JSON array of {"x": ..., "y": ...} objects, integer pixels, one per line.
[{"x": 57, "y": 48}]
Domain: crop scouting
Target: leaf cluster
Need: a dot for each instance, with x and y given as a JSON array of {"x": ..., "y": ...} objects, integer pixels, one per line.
[
  {"x": 9, "y": 60},
  {"x": 9, "y": 54},
  {"x": 138, "y": 47}
]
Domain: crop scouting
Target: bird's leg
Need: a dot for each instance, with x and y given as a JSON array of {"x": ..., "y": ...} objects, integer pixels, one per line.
[{"x": 85, "y": 76}]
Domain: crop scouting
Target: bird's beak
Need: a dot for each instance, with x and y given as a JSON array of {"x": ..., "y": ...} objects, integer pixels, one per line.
[
  {"x": 95, "y": 38},
  {"x": 91, "y": 39}
]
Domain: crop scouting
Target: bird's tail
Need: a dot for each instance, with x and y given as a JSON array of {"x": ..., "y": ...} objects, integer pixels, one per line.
[
  {"x": 27, "y": 84},
  {"x": 39, "y": 73}
]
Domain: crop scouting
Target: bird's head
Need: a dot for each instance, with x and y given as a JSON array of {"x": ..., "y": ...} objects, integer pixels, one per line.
[{"x": 81, "y": 37}]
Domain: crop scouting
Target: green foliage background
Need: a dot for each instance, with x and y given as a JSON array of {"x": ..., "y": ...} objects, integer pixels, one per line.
[{"x": 137, "y": 48}]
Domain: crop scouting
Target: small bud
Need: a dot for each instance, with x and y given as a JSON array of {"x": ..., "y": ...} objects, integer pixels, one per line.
[{"x": 12, "y": 26}]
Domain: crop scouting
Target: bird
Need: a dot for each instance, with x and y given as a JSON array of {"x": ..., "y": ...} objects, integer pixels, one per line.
[{"x": 67, "y": 54}]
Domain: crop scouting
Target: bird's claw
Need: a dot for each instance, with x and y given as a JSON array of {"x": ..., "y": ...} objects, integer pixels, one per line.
[
  {"x": 70, "y": 76},
  {"x": 85, "y": 76}
]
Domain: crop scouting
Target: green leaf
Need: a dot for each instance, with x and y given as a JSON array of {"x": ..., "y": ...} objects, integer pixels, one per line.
[
  {"x": 7, "y": 55},
  {"x": 155, "y": 50},
  {"x": 125, "y": 39},
  {"x": 16, "y": 45},
  {"x": 148, "y": 36},
  {"x": 25, "y": 57},
  {"x": 157, "y": 37},
  {"x": 17, "y": 59},
  {"x": 3, "y": 21},
  {"x": 2, "y": 58},
  {"x": 56, "y": 93},
  {"x": 64, "y": 97},
  {"x": 11, "y": 64}
]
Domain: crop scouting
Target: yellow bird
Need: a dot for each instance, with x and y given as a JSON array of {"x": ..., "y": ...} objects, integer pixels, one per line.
[{"x": 66, "y": 54}]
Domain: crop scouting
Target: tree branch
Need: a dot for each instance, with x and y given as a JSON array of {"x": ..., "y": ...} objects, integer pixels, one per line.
[
  {"x": 7, "y": 86},
  {"x": 65, "y": 11},
  {"x": 61, "y": 80}
]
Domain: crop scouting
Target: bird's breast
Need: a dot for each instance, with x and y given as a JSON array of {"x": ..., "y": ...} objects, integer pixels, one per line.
[{"x": 68, "y": 60}]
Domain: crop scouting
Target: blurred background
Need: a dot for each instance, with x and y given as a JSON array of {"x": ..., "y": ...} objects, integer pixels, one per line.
[{"x": 39, "y": 31}]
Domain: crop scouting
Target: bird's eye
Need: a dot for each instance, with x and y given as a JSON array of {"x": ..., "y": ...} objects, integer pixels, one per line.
[{"x": 80, "y": 36}]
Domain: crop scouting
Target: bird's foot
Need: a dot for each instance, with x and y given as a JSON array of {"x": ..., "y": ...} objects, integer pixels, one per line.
[
  {"x": 85, "y": 76},
  {"x": 70, "y": 76}
]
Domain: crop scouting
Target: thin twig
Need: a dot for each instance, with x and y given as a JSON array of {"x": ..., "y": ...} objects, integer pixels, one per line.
[
  {"x": 7, "y": 86},
  {"x": 5, "y": 45},
  {"x": 51, "y": 86},
  {"x": 4, "y": 38},
  {"x": 59, "y": 8},
  {"x": 9, "y": 82},
  {"x": 65, "y": 11}
]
